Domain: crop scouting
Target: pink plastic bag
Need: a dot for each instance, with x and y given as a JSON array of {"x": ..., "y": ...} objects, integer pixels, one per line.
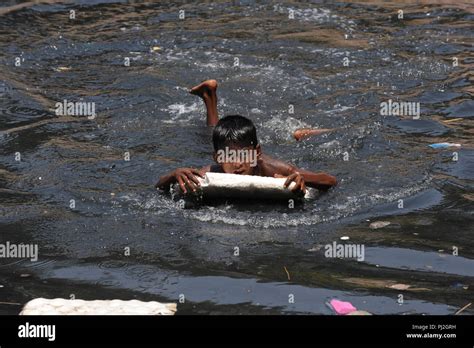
[{"x": 341, "y": 307}]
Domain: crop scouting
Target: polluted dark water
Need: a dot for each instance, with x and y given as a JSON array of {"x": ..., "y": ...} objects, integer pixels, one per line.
[{"x": 81, "y": 188}]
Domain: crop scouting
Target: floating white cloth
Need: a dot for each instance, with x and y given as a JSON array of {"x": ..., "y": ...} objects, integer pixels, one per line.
[
  {"x": 61, "y": 306},
  {"x": 246, "y": 186}
]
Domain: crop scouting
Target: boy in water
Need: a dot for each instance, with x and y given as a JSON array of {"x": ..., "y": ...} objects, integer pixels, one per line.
[{"x": 237, "y": 151}]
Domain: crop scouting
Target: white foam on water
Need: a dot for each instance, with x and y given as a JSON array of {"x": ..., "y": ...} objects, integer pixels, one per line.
[
  {"x": 213, "y": 65},
  {"x": 281, "y": 127},
  {"x": 183, "y": 113},
  {"x": 318, "y": 15},
  {"x": 155, "y": 203},
  {"x": 338, "y": 108},
  {"x": 330, "y": 145}
]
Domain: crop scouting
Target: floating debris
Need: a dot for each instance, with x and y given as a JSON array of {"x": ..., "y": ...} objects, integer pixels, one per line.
[
  {"x": 443, "y": 145},
  {"x": 287, "y": 273},
  {"x": 316, "y": 248},
  {"x": 382, "y": 283},
  {"x": 379, "y": 224},
  {"x": 453, "y": 120},
  {"x": 468, "y": 196},
  {"x": 400, "y": 286},
  {"x": 10, "y": 303},
  {"x": 60, "y": 306},
  {"x": 359, "y": 313},
  {"x": 62, "y": 68},
  {"x": 344, "y": 238},
  {"x": 463, "y": 308},
  {"x": 341, "y": 307}
]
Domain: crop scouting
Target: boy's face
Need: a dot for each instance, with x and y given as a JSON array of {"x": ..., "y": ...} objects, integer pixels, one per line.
[{"x": 238, "y": 160}]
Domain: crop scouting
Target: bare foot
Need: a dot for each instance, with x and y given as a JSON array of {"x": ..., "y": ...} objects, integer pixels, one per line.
[
  {"x": 205, "y": 88},
  {"x": 306, "y": 132}
]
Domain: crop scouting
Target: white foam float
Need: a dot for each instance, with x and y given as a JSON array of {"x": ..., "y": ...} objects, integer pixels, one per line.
[
  {"x": 61, "y": 306},
  {"x": 217, "y": 185}
]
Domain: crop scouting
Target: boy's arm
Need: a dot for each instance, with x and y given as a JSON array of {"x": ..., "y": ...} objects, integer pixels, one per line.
[
  {"x": 320, "y": 181},
  {"x": 185, "y": 177},
  {"x": 166, "y": 181}
]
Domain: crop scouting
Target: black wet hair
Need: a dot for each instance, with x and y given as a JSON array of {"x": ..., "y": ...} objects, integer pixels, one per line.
[{"x": 234, "y": 130}]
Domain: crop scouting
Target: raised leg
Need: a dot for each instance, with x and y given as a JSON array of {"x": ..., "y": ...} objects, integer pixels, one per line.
[{"x": 207, "y": 91}]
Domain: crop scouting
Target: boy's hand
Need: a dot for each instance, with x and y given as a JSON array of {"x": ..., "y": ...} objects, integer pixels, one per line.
[
  {"x": 297, "y": 178},
  {"x": 186, "y": 177}
]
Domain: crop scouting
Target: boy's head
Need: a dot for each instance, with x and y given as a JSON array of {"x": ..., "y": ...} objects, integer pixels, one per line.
[{"x": 235, "y": 144}]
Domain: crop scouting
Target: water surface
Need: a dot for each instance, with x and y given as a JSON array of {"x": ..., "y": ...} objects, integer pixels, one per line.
[{"x": 144, "y": 109}]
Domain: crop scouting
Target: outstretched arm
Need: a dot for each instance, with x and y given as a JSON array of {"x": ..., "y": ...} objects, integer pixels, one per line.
[
  {"x": 185, "y": 177},
  {"x": 320, "y": 180},
  {"x": 166, "y": 181}
]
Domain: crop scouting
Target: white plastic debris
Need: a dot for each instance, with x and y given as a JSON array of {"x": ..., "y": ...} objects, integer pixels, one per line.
[
  {"x": 246, "y": 186},
  {"x": 379, "y": 224},
  {"x": 359, "y": 313},
  {"x": 60, "y": 306},
  {"x": 443, "y": 145}
]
